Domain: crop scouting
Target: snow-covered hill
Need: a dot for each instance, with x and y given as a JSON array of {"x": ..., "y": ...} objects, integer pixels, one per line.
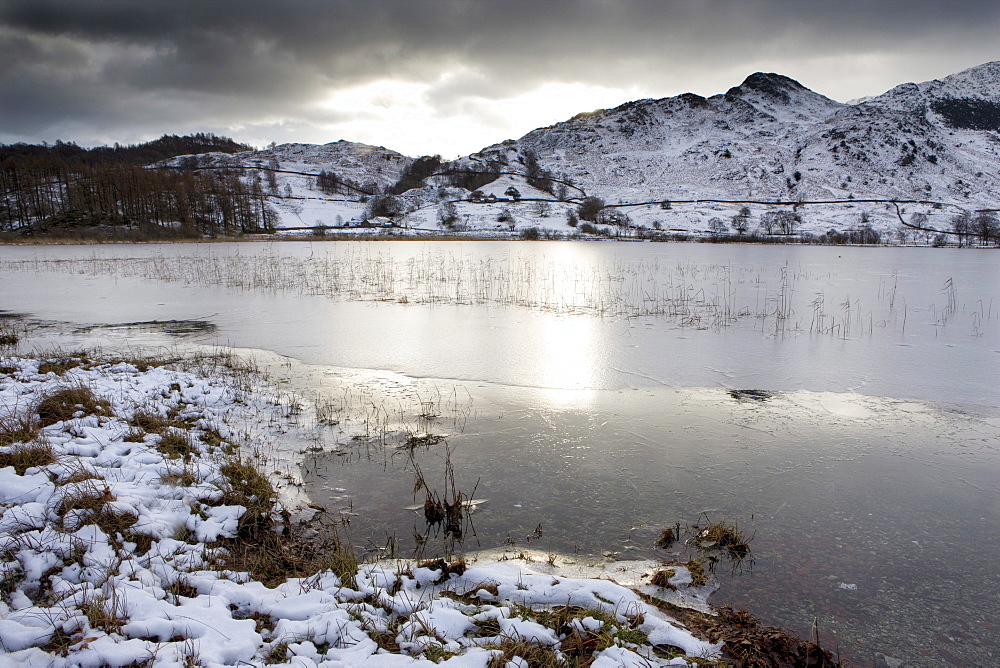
[
  {"x": 767, "y": 139},
  {"x": 771, "y": 138}
]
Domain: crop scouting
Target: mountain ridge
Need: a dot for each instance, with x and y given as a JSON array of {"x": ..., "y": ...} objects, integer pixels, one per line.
[{"x": 769, "y": 138}]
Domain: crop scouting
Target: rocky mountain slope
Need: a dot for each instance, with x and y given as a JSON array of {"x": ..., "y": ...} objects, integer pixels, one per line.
[
  {"x": 772, "y": 138},
  {"x": 767, "y": 139}
]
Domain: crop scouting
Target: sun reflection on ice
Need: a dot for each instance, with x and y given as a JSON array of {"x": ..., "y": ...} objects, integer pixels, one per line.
[{"x": 565, "y": 360}]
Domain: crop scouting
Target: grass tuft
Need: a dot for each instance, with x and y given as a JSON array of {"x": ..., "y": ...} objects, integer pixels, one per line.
[
  {"x": 63, "y": 404},
  {"x": 662, "y": 577},
  {"x": 447, "y": 569},
  {"x": 60, "y": 365},
  {"x": 537, "y": 656},
  {"x": 698, "y": 575},
  {"x": 175, "y": 444},
  {"x": 150, "y": 421},
  {"x": 18, "y": 429},
  {"x": 719, "y": 537},
  {"x": 25, "y": 456},
  {"x": 243, "y": 485}
]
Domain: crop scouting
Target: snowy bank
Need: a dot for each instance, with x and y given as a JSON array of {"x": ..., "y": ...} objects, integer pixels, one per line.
[{"x": 127, "y": 496}]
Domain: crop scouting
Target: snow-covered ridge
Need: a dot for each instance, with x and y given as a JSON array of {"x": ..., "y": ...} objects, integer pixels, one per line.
[{"x": 769, "y": 138}]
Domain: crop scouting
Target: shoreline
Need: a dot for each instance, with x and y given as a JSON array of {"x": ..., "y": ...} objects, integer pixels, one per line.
[{"x": 94, "y": 440}]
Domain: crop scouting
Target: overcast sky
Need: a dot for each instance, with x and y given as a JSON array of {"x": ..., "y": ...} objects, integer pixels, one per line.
[{"x": 440, "y": 76}]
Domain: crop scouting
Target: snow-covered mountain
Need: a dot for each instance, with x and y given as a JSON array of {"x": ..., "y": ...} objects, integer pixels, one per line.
[
  {"x": 772, "y": 138},
  {"x": 767, "y": 139},
  {"x": 369, "y": 167}
]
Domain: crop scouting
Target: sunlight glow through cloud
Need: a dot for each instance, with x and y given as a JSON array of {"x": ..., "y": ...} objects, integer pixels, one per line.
[{"x": 416, "y": 127}]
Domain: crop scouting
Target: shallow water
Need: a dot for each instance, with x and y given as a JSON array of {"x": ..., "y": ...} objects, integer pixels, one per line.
[{"x": 583, "y": 386}]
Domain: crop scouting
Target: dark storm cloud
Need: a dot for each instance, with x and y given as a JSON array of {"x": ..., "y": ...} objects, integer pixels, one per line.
[{"x": 146, "y": 67}]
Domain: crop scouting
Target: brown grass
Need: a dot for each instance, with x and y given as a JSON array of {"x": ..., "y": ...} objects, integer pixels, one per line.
[
  {"x": 662, "y": 577},
  {"x": 18, "y": 429},
  {"x": 243, "y": 485},
  {"x": 719, "y": 537},
  {"x": 175, "y": 444},
  {"x": 537, "y": 656},
  {"x": 698, "y": 575},
  {"x": 88, "y": 495},
  {"x": 60, "y": 365},
  {"x": 269, "y": 556},
  {"x": 272, "y": 558},
  {"x": 63, "y": 404},
  {"x": 151, "y": 422},
  {"x": 456, "y": 567},
  {"x": 101, "y": 614},
  {"x": 26, "y": 456}
]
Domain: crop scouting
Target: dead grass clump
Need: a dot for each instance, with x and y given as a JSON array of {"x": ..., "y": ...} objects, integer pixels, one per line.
[
  {"x": 26, "y": 456},
  {"x": 537, "y": 656},
  {"x": 143, "y": 541},
  {"x": 175, "y": 444},
  {"x": 278, "y": 654},
  {"x": 86, "y": 496},
  {"x": 11, "y": 574},
  {"x": 243, "y": 485},
  {"x": 450, "y": 509},
  {"x": 59, "y": 642},
  {"x": 101, "y": 614},
  {"x": 134, "y": 435},
  {"x": 720, "y": 537},
  {"x": 180, "y": 587},
  {"x": 698, "y": 575},
  {"x": 750, "y": 395},
  {"x": 8, "y": 369},
  {"x": 60, "y": 365},
  {"x": 272, "y": 558},
  {"x": 668, "y": 537},
  {"x": 179, "y": 479},
  {"x": 18, "y": 429},
  {"x": 80, "y": 473},
  {"x": 422, "y": 440},
  {"x": 661, "y": 578},
  {"x": 8, "y": 338},
  {"x": 212, "y": 438},
  {"x": 151, "y": 422},
  {"x": 63, "y": 404},
  {"x": 93, "y": 498},
  {"x": 447, "y": 569},
  {"x": 748, "y": 643},
  {"x": 114, "y": 523}
]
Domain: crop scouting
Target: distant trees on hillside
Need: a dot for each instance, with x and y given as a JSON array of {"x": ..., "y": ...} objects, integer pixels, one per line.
[
  {"x": 589, "y": 207},
  {"x": 70, "y": 188},
  {"x": 741, "y": 220},
  {"x": 167, "y": 146},
  {"x": 537, "y": 177},
  {"x": 415, "y": 173},
  {"x": 783, "y": 222}
]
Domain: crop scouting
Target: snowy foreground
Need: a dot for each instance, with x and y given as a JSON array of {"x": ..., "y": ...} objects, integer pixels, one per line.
[{"x": 113, "y": 540}]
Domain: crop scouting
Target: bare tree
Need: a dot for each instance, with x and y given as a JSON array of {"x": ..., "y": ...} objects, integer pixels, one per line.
[
  {"x": 447, "y": 215},
  {"x": 961, "y": 224},
  {"x": 741, "y": 221},
  {"x": 986, "y": 226},
  {"x": 784, "y": 222}
]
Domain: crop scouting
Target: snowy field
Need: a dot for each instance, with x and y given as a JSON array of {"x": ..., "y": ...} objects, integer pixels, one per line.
[{"x": 127, "y": 490}]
